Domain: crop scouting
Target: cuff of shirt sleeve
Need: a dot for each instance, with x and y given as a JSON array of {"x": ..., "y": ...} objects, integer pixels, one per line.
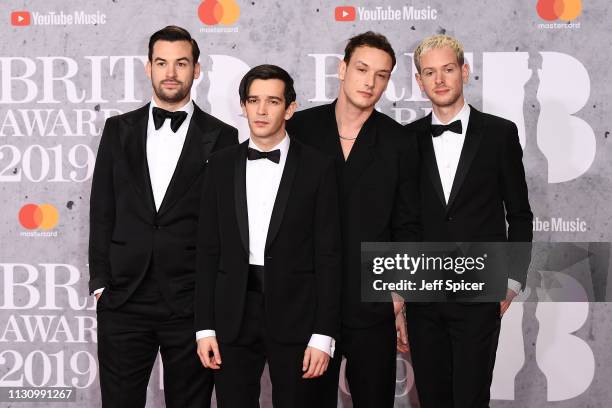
[
  {"x": 324, "y": 343},
  {"x": 95, "y": 292},
  {"x": 205, "y": 333},
  {"x": 514, "y": 285}
]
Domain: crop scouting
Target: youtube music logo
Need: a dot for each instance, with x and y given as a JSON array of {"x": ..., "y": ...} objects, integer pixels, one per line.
[
  {"x": 20, "y": 18},
  {"x": 345, "y": 13}
]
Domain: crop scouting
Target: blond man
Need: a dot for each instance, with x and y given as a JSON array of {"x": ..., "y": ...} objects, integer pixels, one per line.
[{"x": 472, "y": 182}]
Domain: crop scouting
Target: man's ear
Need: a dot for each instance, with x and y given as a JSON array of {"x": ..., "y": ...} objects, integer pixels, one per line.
[
  {"x": 342, "y": 70},
  {"x": 197, "y": 70},
  {"x": 465, "y": 72},
  {"x": 148, "y": 69},
  {"x": 290, "y": 110},
  {"x": 419, "y": 81}
]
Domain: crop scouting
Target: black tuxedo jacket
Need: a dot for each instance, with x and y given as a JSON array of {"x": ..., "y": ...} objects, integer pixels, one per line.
[
  {"x": 378, "y": 190},
  {"x": 302, "y": 250},
  {"x": 127, "y": 234},
  {"x": 489, "y": 188}
]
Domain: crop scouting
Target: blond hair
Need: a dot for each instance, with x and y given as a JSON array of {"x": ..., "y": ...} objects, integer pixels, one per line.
[{"x": 438, "y": 41}]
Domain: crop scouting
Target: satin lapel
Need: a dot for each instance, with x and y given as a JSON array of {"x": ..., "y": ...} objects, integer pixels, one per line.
[
  {"x": 429, "y": 157},
  {"x": 473, "y": 136},
  {"x": 240, "y": 198},
  {"x": 328, "y": 141},
  {"x": 134, "y": 141},
  {"x": 329, "y": 134},
  {"x": 362, "y": 154},
  {"x": 199, "y": 142},
  {"x": 284, "y": 190}
]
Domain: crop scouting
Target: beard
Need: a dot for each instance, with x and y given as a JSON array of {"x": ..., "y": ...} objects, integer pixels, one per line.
[{"x": 174, "y": 95}]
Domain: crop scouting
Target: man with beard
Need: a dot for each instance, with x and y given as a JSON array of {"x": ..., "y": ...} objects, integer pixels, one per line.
[
  {"x": 378, "y": 202},
  {"x": 473, "y": 189},
  {"x": 144, "y": 212}
]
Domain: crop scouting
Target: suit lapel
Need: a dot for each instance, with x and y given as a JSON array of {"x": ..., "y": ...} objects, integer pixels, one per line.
[
  {"x": 284, "y": 190},
  {"x": 473, "y": 136},
  {"x": 329, "y": 136},
  {"x": 361, "y": 155},
  {"x": 429, "y": 157},
  {"x": 134, "y": 140},
  {"x": 240, "y": 198},
  {"x": 199, "y": 142}
]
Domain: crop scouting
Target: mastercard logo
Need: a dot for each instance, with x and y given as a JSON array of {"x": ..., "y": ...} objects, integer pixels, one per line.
[
  {"x": 44, "y": 216},
  {"x": 566, "y": 10},
  {"x": 213, "y": 12}
]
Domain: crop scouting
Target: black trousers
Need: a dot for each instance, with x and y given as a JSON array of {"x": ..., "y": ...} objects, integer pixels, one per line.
[
  {"x": 371, "y": 360},
  {"x": 237, "y": 382},
  {"x": 453, "y": 348},
  {"x": 129, "y": 339}
]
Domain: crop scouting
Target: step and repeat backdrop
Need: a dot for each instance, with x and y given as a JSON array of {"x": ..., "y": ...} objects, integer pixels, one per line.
[{"x": 67, "y": 66}]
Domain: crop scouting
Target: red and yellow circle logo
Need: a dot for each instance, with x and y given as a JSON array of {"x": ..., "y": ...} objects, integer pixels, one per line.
[
  {"x": 213, "y": 12},
  {"x": 566, "y": 10},
  {"x": 44, "y": 216}
]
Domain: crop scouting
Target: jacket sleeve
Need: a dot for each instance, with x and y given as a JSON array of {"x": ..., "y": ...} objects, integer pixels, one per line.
[
  {"x": 406, "y": 218},
  {"x": 207, "y": 254},
  {"x": 328, "y": 256},
  {"x": 516, "y": 202},
  {"x": 102, "y": 211}
]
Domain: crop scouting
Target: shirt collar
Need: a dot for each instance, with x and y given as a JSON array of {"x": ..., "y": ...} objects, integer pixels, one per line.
[
  {"x": 283, "y": 146},
  {"x": 463, "y": 115},
  {"x": 188, "y": 107}
]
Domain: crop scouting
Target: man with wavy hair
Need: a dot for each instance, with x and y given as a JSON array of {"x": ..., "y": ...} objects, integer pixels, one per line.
[
  {"x": 378, "y": 202},
  {"x": 144, "y": 210}
]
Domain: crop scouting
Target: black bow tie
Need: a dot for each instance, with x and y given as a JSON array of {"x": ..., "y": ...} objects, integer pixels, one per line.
[
  {"x": 273, "y": 155},
  {"x": 176, "y": 118},
  {"x": 455, "y": 127}
]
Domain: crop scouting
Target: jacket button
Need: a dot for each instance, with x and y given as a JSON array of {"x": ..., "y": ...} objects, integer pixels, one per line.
[
  {"x": 156, "y": 226},
  {"x": 449, "y": 218}
]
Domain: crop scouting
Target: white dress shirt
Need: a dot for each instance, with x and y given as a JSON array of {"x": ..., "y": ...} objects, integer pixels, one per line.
[
  {"x": 164, "y": 148},
  {"x": 447, "y": 148},
  {"x": 263, "y": 178}
]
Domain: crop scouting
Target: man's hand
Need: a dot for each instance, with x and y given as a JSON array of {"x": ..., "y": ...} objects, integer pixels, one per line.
[
  {"x": 398, "y": 303},
  {"x": 505, "y": 304},
  {"x": 315, "y": 362},
  {"x": 206, "y": 346},
  {"x": 97, "y": 295},
  {"x": 400, "y": 322},
  {"x": 402, "y": 333}
]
